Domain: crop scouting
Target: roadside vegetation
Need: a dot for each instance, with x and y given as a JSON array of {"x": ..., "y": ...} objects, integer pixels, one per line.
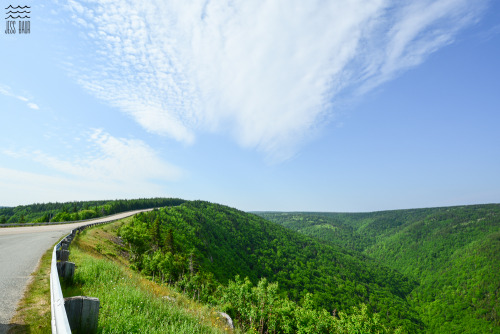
[
  {"x": 130, "y": 303},
  {"x": 33, "y": 312}
]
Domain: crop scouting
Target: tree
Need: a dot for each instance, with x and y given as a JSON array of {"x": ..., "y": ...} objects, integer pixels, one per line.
[
  {"x": 193, "y": 263},
  {"x": 156, "y": 232},
  {"x": 169, "y": 241}
]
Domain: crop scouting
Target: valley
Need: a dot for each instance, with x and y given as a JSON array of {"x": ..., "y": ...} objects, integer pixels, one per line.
[{"x": 453, "y": 253}]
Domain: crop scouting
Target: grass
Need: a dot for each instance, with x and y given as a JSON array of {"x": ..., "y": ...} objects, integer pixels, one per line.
[
  {"x": 33, "y": 312},
  {"x": 129, "y": 302}
]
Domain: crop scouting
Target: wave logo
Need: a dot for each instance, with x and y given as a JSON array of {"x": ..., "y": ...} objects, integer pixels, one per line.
[
  {"x": 17, "y": 10},
  {"x": 20, "y": 13}
]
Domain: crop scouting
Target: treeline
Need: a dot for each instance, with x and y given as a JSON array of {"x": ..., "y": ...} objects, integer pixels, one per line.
[
  {"x": 453, "y": 252},
  {"x": 201, "y": 247},
  {"x": 79, "y": 210}
]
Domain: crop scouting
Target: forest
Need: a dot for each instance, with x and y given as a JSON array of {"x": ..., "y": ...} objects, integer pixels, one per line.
[
  {"x": 433, "y": 270},
  {"x": 78, "y": 210},
  {"x": 453, "y": 253},
  {"x": 205, "y": 249}
]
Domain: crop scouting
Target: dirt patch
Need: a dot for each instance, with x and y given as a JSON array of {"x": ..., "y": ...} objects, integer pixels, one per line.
[{"x": 120, "y": 247}]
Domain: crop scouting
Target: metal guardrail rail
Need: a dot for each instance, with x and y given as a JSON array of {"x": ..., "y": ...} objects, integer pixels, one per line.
[{"x": 59, "y": 321}]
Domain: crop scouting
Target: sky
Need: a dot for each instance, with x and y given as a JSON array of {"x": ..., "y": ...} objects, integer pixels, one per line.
[{"x": 337, "y": 105}]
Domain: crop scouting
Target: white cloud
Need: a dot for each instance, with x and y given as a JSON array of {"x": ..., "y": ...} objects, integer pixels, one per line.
[
  {"x": 109, "y": 167},
  {"x": 6, "y": 91},
  {"x": 22, "y": 98},
  {"x": 111, "y": 159},
  {"x": 268, "y": 72},
  {"x": 33, "y": 106},
  {"x": 27, "y": 187}
]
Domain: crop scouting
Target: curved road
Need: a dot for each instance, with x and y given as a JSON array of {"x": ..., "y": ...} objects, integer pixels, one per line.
[{"x": 20, "y": 250}]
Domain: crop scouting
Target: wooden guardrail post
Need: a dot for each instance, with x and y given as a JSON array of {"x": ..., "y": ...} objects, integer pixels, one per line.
[
  {"x": 66, "y": 270},
  {"x": 83, "y": 313},
  {"x": 62, "y": 255}
]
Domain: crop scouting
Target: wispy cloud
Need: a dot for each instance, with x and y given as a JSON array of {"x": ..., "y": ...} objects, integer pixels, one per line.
[
  {"x": 29, "y": 187},
  {"x": 111, "y": 159},
  {"x": 6, "y": 91},
  {"x": 267, "y": 72},
  {"x": 103, "y": 166},
  {"x": 33, "y": 106}
]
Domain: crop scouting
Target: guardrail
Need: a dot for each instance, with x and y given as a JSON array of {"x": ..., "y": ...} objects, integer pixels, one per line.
[{"x": 59, "y": 322}]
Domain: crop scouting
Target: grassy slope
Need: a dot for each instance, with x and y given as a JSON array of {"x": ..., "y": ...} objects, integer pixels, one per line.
[
  {"x": 130, "y": 303},
  {"x": 438, "y": 247},
  {"x": 105, "y": 274}
]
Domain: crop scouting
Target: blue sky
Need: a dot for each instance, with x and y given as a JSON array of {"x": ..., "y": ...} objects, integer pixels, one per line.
[{"x": 334, "y": 105}]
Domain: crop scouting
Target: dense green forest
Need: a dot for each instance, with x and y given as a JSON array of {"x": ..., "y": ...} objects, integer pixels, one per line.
[
  {"x": 71, "y": 211},
  {"x": 434, "y": 270},
  {"x": 200, "y": 246},
  {"x": 453, "y": 253}
]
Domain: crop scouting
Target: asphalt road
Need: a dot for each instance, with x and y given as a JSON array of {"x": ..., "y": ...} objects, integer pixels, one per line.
[{"x": 20, "y": 250}]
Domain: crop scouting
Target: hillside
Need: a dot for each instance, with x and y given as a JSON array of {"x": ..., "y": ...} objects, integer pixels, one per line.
[
  {"x": 199, "y": 245},
  {"x": 453, "y": 252}
]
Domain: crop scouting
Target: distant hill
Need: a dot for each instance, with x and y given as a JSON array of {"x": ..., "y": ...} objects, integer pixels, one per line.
[
  {"x": 453, "y": 252},
  {"x": 216, "y": 241}
]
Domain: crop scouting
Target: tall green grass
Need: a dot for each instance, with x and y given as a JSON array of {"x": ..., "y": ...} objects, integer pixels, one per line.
[{"x": 128, "y": 307}]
